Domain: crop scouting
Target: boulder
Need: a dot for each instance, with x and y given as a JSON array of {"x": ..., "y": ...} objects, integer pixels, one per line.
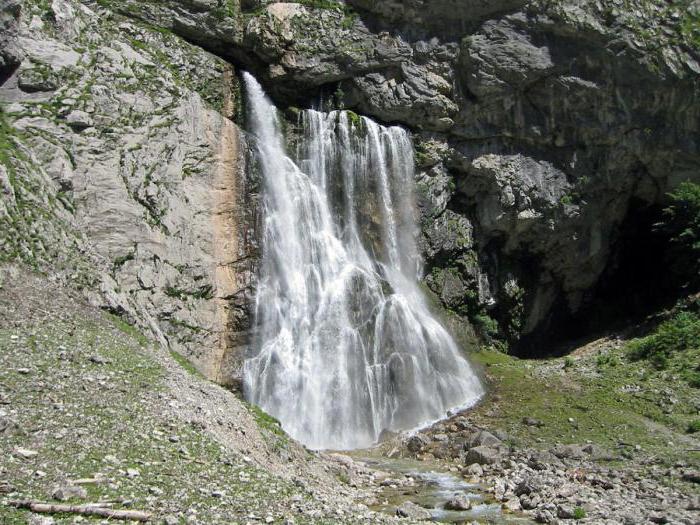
[
  {"x": 459, "y": 502},
  {"x": 417, "y": 442},
  {"x": 483, "y": 455},
  {"x": 474, "y": 470},
  {"x": 483, "y": 438},
  {"x": 79, "y": 120},
  {"x": 568, "y": 451},
  {"x": 68, "y": 491},
  {"x": 408, "y": 509}
]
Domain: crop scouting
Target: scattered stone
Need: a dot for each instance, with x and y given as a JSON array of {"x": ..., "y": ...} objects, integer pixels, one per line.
[
  {"x": 408, "y": 509},
  {"x": 98, "y": 359},
  {"x": 35, "y": 519},
  {"x": 69, "y": 491},
  {"x": 216, "y": 493},
  {"x": 171, "y": 520},
  {"x": 459, "y": 502},
  {"x": 25, "y": 453},
  {"x": 416, "y": 443},
  {"x": 474, "y": 470},
  {"x": 132, "y": 473},
  {"x": 482, "y": 455},
  {"x": 23, "y": 371},
  {"x": 532, "y": 422},
  {"x": 7, "y": 425}
]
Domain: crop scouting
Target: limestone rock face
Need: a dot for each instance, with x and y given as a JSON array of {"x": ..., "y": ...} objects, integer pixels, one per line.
[
  {"x": 122, "y": 139},
  {"x": 539, "y": 128},
  {"x": 10, "y": 52},
  {"x": 537, "y": 123}
]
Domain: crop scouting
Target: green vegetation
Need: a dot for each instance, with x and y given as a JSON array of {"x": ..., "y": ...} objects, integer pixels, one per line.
[
  {"x": 203, "y": 292},
  {"x": 129, "y": 330},
  {"x": 674, "y": 344},
  {"x": 612, "y": 404},
  {"x": 579, "y": 513},
  {"x": 186, "y": 364},
  {"x": 487, "y": 325},
  {"x": 681, "y": 223},
  {"x": 694, "y": 426}
]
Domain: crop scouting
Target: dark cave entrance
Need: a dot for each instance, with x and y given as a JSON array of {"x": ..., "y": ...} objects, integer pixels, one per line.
[{"x": 638, "y": 281}]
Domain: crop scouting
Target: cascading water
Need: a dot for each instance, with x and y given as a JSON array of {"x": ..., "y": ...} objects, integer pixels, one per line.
[{"x": 348, "y": 347}]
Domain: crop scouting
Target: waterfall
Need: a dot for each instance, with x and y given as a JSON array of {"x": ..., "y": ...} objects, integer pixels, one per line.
[{"x": 348, "y": 347}]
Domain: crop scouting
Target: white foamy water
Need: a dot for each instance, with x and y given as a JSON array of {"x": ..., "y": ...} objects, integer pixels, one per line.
[{"x": 348, "y": 347}]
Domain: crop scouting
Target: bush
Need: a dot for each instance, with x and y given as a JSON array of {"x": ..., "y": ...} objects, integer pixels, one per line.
[
  {"x": 681, "y": 223},
  {"x": 694, "y": 426},
  {"x": 678, "y": 334},
  {"x": 568, "y": 362},
  {"x": 486, "y": 325},
  {"x": 579, "y": 513},
  {"x": 604, "y": 360}
]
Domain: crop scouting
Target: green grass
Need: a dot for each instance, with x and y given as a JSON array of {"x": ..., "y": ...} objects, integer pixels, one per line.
[
  {"x": 607, "y": 412},
  {"x": 694, "y": 426},
  {"x": 129, "y": 330},
  {"x": 186, "y": 364},
  {"x": 674, "y": 345},
  {"x": 77, "y": 413}
]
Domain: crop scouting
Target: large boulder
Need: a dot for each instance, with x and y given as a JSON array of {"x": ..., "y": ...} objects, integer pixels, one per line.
[{"x": 483, "y": 455}]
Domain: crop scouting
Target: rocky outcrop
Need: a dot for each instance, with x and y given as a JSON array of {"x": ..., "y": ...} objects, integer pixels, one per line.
[
  {"x": 10, "y": 52},
  {"x": 124, "y": 167},
  {"x": 538, "y": 124},
  {"x": 540, "y": 127}
]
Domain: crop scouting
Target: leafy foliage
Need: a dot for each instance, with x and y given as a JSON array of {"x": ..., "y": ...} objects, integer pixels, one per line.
[
  {"x": 675, "y": 342},
  {"x": 681, "y": 222}
]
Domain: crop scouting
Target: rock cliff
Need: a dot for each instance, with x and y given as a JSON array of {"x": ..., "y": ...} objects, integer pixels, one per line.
[
  {"x": 541, "y": 129},
  {"x": 121, "y": 168}
]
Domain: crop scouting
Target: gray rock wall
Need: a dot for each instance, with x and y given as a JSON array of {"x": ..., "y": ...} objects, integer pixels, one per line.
[
  {"x": 537, "y": 125},
  {"x": 118, "y": 133}
]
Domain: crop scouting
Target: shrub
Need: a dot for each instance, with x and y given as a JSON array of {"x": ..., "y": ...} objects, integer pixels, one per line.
[
  {"x": 579, "y": 513},
  {"x": 681, "y": 223},
  {"x": 680, "y": 333},
  {"x": 694, "y": 426},
  {"x": 568, "y": 362},
  {"x": 487, "y": 325},
  {"x": 604, "y": 360}
]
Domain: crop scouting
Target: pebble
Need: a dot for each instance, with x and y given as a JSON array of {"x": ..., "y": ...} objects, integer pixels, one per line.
[{"x": 25, "y": 453}]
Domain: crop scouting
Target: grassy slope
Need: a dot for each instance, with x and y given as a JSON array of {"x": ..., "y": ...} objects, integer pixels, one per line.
[
  {"x": 614, "y": 402},
  {"x": 96, "y": 420}
]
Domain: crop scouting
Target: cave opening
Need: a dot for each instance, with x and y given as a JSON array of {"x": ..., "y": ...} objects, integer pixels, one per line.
[{"x": 638, "y": 281}]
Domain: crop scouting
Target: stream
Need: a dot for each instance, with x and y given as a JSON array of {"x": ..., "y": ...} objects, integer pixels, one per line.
[{"x": 433, "y": 488}]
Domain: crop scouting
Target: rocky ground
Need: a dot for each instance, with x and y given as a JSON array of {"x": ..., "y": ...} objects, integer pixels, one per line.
[
  {"x": 589, "y": 437},
  {"x": 92, "y": 412}
]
